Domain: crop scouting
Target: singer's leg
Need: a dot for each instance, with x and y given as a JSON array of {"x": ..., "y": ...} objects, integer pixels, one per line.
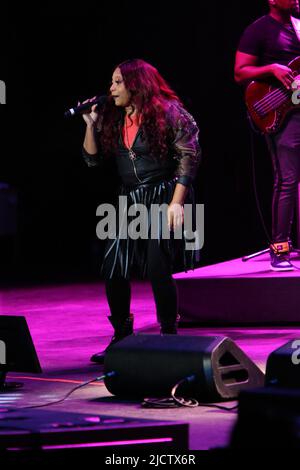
[
  {"x": 163, "y": 287},
  {"x": 118, "y": 293}
]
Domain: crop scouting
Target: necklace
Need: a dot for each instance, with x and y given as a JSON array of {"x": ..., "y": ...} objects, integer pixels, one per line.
[{"x": 131, "y": 153}]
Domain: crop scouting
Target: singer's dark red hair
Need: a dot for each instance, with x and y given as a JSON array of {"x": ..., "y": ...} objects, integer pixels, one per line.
[{"x": 150, "y": 94}]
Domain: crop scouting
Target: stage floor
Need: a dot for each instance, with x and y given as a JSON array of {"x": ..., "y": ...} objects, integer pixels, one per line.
[{"x": 68, "y": 323}]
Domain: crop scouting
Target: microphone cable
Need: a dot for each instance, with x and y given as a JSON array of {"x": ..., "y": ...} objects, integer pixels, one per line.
[
  {"x": 175, "y": 401},
  {"x": 84, "y": 384},
  {"x": 257, "y": 201}
]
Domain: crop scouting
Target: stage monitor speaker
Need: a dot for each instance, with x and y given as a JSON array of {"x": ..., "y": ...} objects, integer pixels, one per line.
[
  {"x": 283, "y": 366},
  {"x": 17, "y": 351},
  {"x": 150, "y": 366},
  {"x": 268, "y": 417}
]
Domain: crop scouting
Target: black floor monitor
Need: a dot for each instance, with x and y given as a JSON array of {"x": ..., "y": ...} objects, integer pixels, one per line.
[{"x": 17, "y": 351}]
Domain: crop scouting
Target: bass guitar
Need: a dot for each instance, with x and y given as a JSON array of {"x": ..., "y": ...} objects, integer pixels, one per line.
[{"x": 269, "y": 103}]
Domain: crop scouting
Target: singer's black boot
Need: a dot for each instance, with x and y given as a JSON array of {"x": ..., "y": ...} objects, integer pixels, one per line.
[
  {"x": 122, "y": 328},
  {"x": 169, "y": 327}
]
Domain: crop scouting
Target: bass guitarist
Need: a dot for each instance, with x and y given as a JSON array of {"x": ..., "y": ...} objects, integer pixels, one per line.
[{"x": 266, "y": 48}]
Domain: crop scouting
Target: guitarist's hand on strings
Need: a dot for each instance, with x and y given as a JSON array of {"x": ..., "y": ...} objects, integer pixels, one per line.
[{"x": 283, "y": 74}]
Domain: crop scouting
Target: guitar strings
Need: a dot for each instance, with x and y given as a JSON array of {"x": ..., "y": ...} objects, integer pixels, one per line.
[
  {"x": 267, "y": 103},
  {"x": 275, "y": 100},
  {"x": 272, "y": 105},
  {"x": 271, "y": 96}
]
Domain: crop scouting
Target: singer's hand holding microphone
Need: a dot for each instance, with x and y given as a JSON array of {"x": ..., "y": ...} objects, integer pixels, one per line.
[
  {"x": 88, "y": 110},
  {"x": 88, "y": 107},
  {"x": 91, "y": 115}
]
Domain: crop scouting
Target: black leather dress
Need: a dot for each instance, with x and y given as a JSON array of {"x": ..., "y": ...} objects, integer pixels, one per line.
[{"x": 148, "y": 180}]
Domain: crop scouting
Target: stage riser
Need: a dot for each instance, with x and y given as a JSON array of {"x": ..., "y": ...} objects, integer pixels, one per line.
[{"x": 239, "y": 300}]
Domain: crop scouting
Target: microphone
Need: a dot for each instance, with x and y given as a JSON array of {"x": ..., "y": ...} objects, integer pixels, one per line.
[{"x": 100, "y": 100}]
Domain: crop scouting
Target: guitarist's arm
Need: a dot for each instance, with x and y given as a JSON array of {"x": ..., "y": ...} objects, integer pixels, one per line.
[{"x": 246, "y": 69}]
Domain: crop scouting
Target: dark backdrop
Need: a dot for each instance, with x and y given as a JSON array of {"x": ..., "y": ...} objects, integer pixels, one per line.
[{"x": 53, "y": 57}]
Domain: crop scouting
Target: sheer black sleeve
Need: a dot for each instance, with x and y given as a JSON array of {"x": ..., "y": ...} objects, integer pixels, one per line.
[
  {"x": 94, "y": 159},
  {"x": 185, "y": 144}
]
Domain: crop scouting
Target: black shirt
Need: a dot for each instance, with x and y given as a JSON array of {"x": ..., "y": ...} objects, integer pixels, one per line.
[{"x": 270, "y": 41}]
